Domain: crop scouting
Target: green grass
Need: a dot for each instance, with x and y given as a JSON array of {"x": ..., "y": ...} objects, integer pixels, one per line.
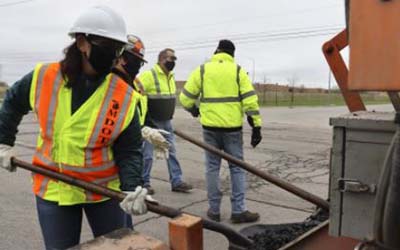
[{"x": 282, "y": 99}]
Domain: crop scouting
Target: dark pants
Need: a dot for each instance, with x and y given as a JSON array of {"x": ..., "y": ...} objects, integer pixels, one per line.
[{"x": 61, "y": 225}]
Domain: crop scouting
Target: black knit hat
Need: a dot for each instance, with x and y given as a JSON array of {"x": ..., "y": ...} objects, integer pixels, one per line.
[{"x": 226, "y": 46}]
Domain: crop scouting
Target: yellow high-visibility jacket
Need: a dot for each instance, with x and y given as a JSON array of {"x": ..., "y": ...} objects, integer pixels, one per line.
[
  {"x": 225, "y": 93},
  {"x": 142, "y": 106},
  {"x": 160, "y": 90}
]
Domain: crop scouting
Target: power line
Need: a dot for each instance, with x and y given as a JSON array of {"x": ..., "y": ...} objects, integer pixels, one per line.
[
  {"x": 20, "y": 57},
  {"x": 240, "y": 19},
  {"x": 205, "y": 42},
  {"x": 15, "y": 3},
  {"x": 262, "y": 38},
  {"x": 241, "y": 35},
  {"x": 252, "y": 41}
]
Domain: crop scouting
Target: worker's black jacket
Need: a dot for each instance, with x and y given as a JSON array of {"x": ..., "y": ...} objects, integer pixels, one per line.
[{"x": 126, "y": 148}]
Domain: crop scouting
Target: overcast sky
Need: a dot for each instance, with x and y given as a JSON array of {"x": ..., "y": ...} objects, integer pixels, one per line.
[{"x": 276, "y": 40}]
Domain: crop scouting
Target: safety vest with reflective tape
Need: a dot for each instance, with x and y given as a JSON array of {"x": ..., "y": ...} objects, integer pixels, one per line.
[
  {"x": 160, "y": 90},
  {"x": 225, "y": 93},
  {"x": 142, "y": 100},
  {"x": 79, "y": 144}
]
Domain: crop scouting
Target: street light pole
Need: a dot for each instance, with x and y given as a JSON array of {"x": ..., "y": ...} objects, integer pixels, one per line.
[
  {"x": 254, "y": 70},
  {"x": 253, "y": 73}
]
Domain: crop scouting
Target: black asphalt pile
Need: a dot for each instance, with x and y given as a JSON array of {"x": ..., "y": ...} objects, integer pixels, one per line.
[{"x": 272, "y": 237}]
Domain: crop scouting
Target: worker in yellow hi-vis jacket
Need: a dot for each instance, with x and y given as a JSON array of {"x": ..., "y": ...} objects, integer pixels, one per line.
[
  {"x": 225, "y": 94},
  {"x": 159, "y": 87}
]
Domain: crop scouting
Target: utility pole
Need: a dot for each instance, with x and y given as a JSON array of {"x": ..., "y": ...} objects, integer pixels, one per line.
[
  {"x": 264, "y": 85},
  {"x": 254, "y": 69},
  {"x": 292, "y": 96},
  {"x": 292, "y": 82}
]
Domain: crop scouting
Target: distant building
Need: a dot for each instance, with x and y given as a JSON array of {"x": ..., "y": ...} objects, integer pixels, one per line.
[
  {"x": 270, "y": 87},
  {"x": 3, "y": 84}
]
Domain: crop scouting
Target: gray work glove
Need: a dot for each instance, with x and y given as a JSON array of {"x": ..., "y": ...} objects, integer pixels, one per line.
[
  {"x": 6, "y": 152},
  {"x": 135, "y": 202},
  {"x": 156, "y": 138}
]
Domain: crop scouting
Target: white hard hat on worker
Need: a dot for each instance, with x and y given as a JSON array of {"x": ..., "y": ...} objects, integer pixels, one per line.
[
  {"x": 101, "y": 21},
  {"x": 100, "y": 33}
]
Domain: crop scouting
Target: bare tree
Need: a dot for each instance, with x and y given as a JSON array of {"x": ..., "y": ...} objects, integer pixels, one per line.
[{"x": 292, "y": 83}]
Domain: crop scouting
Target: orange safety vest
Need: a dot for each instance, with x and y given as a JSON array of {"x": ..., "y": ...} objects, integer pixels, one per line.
[{"x": 77, "y": 145}]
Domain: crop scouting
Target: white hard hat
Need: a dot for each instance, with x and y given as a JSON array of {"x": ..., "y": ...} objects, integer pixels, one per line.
[{"x": 101, "y": 21}]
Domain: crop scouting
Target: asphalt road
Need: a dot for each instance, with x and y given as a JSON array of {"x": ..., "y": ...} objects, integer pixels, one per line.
[{"x": 295, "y": 147}]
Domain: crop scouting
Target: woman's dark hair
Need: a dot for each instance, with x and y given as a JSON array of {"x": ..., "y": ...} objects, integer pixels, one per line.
[{"x": 71, "y": 65}]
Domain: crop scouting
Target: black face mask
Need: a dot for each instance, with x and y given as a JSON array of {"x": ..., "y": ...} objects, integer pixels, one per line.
[
  {"x": 169, "y": 65},
  {"x": 132, "y": 66},
  {"x": 101, "y": 59}
]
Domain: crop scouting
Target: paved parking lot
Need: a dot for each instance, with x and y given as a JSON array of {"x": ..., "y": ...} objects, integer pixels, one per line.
[{"x": 295, "y": 147}]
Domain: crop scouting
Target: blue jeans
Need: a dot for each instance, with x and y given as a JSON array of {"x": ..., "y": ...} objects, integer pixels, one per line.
[
  {"x": 174, "y": 168},
  {"x": 61, "y": 225},
  {"x": 231, "y": 143}
]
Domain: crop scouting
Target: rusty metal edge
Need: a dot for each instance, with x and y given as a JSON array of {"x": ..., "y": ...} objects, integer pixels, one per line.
[
  {"x": 331, "y": 50},
  {"x": 305, "y": 236}
]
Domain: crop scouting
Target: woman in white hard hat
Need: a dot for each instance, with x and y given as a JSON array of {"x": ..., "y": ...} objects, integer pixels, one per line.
[{"x": 89, "y": 129}]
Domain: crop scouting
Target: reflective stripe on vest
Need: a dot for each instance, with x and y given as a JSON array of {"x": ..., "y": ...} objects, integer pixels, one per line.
[
  {"x": 98, "y": 166},
  {"x": 139, "y": 86},
  {"x": 161, "y": 105},
  {"x": 253, "y": 112},
  {"x": 156, "y": 81},
  {"x": 168, "y": 96},
  {"x": 142, "y": 104},
  {"x": 47, "y": 105},
  {"x": 190, "y": 95},
  {"x": 107, "y": 128},
  {"x": 158, "y": 89},
  {"x": 203, "y": 99}
]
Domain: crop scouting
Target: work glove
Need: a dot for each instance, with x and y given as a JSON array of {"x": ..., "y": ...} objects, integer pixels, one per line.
[
  {"x": 194, "y": 111},
  {"x": 135, "y": 202},
  {"x": 256, "y": 136},
  {"x": 6, "y": 152},
  {"x": 161, "y": 154},
  {"x": 156, "y": 138},
  {"x": 250, "y": 121}
]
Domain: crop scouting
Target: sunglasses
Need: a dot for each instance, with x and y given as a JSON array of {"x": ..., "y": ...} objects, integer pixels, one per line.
[{"x": 115, "y": 48}]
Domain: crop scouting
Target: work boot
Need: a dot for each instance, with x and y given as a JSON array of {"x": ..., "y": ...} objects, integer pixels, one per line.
[
  {"x": 183, "y": 187},
  {"x": 150, "y": 190},
  {"x": 244, "y": 217},
  {"x": 212, "y": 216}
]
